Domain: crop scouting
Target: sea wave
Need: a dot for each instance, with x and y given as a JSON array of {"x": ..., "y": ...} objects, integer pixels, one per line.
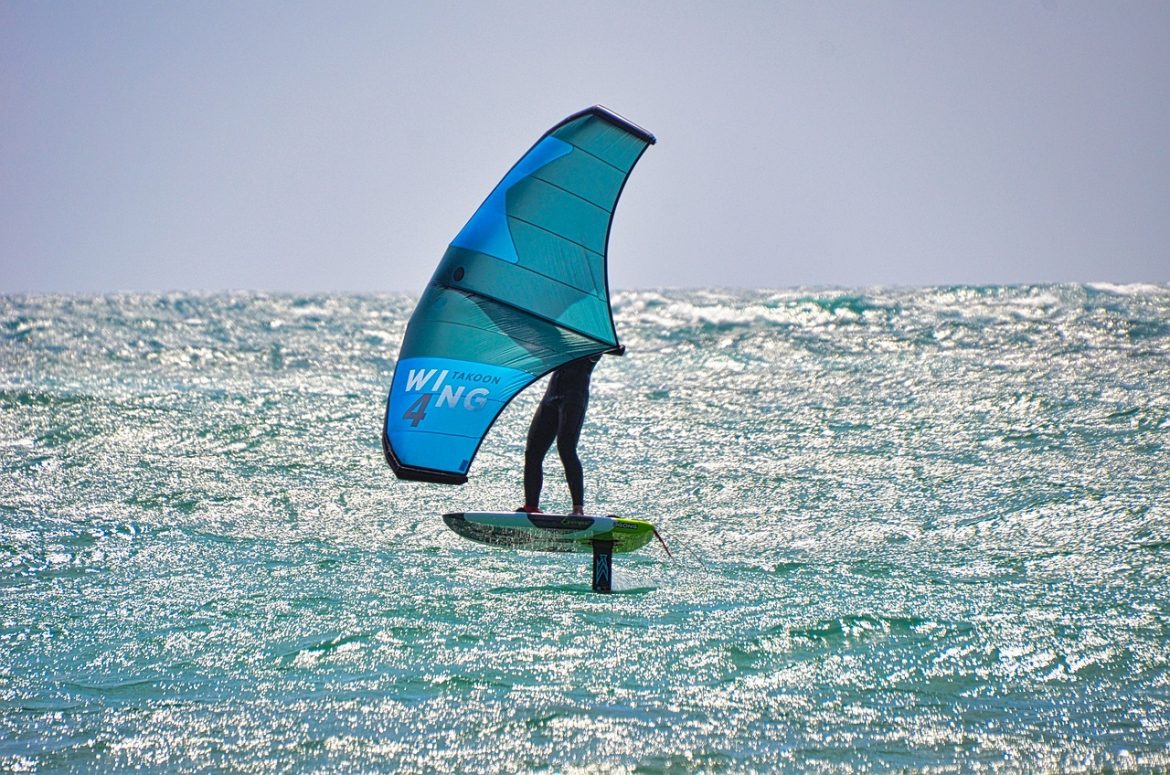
[{"x": 914, "y": 528}]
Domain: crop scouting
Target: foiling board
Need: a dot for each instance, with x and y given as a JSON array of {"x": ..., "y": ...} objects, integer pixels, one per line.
[{"x": 550, "y": 532}]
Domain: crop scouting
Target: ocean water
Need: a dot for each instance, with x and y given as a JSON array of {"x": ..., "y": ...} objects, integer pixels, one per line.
[{"x": 914, "y": 529}]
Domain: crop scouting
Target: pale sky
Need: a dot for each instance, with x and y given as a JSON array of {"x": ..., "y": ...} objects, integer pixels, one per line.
[{"x": 339, "y": 146}]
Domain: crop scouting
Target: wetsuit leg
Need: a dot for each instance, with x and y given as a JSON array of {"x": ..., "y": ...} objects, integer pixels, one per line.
[
  {"x": 541, "y": 433},
  {"x": 572, "y": 417}
]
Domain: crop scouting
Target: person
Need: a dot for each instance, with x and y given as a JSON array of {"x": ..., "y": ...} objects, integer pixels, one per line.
[{"x": 559, "y": 416}]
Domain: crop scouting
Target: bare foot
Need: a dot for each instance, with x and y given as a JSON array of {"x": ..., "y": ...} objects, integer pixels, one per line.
[{"x": 578, "y": 511}]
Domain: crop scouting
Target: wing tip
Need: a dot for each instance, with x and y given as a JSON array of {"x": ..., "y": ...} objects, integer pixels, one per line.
[
  {"x": 412, "y": 474},
  {"x": 605, "y": 114}
]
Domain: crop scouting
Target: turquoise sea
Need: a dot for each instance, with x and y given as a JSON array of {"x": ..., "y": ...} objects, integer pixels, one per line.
[{"x": 914, "y": 529}]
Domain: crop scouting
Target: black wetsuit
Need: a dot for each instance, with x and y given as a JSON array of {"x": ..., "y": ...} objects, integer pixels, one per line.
[{"x": 560, "y": 416}]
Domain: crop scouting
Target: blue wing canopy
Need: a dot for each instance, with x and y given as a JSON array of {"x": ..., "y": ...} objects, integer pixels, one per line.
[{"x": 521, "y": 290}]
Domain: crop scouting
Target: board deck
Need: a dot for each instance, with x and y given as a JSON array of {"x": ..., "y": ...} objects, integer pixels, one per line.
[{"x": 550, "y": 532}]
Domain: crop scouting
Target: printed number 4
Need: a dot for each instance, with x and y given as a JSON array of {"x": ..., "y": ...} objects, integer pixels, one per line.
[{"x": 417, "y": 410}]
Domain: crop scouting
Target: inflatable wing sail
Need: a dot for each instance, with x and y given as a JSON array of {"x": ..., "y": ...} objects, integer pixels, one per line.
[{"x": 521, "y": 290}]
